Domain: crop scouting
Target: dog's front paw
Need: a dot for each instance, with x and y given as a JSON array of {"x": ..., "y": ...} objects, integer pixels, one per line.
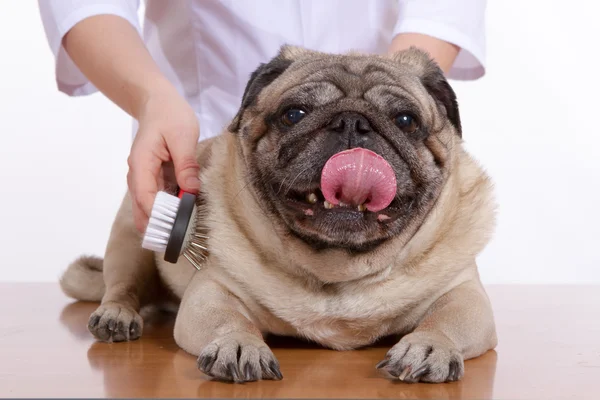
[
  {"x": 113, "y": 322},
  {"x": 239, "y": 357},
  {"x": 425, "y": 357}
]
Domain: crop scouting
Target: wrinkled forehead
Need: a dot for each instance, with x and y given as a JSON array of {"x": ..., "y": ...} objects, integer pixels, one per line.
[{"x": 321, "y": 80}]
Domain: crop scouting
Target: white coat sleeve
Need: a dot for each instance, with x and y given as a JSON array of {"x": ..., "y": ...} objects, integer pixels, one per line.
[
  {"x": 460, "y": 22},
  {"x": 59, "y": 16}
]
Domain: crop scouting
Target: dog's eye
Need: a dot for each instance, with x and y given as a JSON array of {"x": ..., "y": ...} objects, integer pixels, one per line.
[
  {"x": 406, "y": 122},
  {"x": 293, "y": 116}
]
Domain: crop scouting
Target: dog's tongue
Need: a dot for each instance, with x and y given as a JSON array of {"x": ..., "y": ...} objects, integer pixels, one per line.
[{"x": 358, "y": 176}]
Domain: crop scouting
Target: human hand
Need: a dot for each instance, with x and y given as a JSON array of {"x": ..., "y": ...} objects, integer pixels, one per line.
[
  {"x": 164, "y": 144},
  {"x": 112, "y": 55}
]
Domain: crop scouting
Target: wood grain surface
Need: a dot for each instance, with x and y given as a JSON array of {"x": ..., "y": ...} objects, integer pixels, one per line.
[{"x": 549, "y": 349}]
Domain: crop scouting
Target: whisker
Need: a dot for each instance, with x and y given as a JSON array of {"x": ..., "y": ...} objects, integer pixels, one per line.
[
  {"x": 241, "y": 190},
  {"x": 297, "y": 176},
  {"x": 281, "y": 184}
]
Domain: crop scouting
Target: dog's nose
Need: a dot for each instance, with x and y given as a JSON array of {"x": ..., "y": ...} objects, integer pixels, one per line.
[{"x": 353, "y": 128}]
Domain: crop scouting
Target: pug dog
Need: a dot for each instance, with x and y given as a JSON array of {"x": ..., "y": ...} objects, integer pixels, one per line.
[{"x": 341, "y": 208}]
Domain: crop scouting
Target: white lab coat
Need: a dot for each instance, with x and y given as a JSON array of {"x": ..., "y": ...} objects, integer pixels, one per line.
[{"x": 208, "y": 48}]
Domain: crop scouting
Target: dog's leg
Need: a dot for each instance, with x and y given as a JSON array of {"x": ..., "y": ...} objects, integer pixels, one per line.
[
  {"x": 458, "y": 326},
  {"x": 214, "y": 325},
  {"x": 131, "y": 280}
]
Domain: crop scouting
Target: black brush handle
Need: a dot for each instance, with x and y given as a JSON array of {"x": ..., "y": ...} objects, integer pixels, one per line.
[{"x": 182, "y": 220}]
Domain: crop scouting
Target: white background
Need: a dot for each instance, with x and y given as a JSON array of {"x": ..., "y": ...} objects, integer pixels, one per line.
[{"x": 533, "y": 121}]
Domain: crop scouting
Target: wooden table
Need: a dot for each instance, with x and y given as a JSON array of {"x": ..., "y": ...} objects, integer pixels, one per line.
[{"x": 549, "y": 349}]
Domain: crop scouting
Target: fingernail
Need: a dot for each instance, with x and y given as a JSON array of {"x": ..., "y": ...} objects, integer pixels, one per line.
[{"x": 192, "y": 182}]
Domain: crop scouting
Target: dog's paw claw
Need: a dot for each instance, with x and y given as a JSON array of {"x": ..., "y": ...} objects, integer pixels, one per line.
[
  {"x": 112, "y": 322},
  {"x": 423, "y": 357},
  {"x": 239, "y": 357}
]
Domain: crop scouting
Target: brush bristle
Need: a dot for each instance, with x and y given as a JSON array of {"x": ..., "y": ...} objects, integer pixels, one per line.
[
  {"x": 161, "y": 222},
  {"x": 196, "y": 245}
]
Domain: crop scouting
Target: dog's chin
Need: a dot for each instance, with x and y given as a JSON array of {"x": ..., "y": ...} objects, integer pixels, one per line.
[{"x": 322, "y": 225}]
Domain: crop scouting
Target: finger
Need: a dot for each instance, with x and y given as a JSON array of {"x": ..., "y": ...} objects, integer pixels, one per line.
[
  {"x": 183, "y": 153},
  {"x": 144, "y": 165},
  {"x": 140, "y": 219},
  {"x": 138, "y": 216}
]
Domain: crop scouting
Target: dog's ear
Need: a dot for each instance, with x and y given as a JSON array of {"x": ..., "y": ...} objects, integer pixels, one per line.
[
  {"x": 262, "y": 77},
  {"x": 434, "y": 81},
  {"x": 439, "y": 88}
]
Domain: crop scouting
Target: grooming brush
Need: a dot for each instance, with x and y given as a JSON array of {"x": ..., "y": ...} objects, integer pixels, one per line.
[{"x": 169, "y": 230}]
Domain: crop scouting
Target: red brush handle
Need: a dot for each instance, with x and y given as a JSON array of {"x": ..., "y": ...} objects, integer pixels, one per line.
[{"x": 180, "y": 193}]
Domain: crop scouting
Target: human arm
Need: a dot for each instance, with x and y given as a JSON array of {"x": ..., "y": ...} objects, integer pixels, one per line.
[
  {"x": 451, "y": 31},
  {"x": 104, "y": 46},
  {"x": 444, "y": 53},
  {"x": 111, "y": 54}
]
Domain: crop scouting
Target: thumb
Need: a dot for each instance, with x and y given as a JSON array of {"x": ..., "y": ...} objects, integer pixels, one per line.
[{"x": 183, "y": 153}]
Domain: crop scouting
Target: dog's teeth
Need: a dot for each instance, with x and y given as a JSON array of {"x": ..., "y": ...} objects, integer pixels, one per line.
[
  {"x": 328, "y": 205},
  {"x": 311, "y": 198},
  {"x": 343, "y": 204},
  {"x": 362, "y": 208}
]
